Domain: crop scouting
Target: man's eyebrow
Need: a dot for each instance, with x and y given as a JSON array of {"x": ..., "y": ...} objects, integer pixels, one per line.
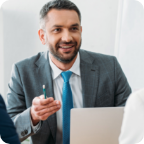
[
  {"x": 57, "y": 26},
  {"x": 76, "y": 24}
]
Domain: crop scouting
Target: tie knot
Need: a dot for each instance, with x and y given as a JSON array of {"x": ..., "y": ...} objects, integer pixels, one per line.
[{"x": 66, "y": 75}]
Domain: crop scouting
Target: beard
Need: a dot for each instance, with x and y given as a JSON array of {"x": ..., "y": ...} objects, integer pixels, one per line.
[{"x": 59, "y": 57}]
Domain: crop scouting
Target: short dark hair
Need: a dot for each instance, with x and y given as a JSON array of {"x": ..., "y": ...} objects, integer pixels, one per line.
[{"x": 58, "y": 4}]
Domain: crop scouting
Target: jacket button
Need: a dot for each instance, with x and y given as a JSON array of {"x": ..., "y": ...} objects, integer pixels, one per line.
[
  {"x": 26, "y": 131},
  {"x": 23, "y": 133}
]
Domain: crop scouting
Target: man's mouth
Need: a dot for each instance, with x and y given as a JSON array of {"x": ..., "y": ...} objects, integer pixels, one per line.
[{"x": 66, "y": 47}]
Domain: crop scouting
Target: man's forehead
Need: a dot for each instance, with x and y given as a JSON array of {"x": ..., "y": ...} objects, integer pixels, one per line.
[{"x": 62, "y": 16}]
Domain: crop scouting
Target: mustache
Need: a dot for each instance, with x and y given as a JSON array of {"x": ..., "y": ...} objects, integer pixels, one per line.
[{"x": 63, "y": 42}]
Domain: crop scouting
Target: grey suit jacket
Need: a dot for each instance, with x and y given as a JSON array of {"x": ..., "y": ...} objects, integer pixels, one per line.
[{"x": 103, "y": 85}]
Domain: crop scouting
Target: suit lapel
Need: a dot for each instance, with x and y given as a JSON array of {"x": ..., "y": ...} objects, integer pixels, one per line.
[
  {"x": 45, "y": 78},
  {"x": 89, "y": 78}
]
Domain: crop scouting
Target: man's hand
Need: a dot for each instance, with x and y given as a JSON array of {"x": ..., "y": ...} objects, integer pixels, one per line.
[{"x": 42, "y": 108}]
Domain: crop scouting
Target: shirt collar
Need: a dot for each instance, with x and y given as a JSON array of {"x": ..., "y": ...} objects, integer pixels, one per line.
[{"x": 75, "y": 68}]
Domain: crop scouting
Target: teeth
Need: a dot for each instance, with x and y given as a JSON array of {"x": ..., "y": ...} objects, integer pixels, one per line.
[{"x": 66, "y": 47}]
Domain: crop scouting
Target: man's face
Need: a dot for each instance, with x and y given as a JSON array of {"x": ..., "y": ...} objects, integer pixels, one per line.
[{"x": 63, "y": 34}]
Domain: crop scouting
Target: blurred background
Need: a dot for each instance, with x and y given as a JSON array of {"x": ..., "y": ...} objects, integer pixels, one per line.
[{"x": 113, "y": 27}]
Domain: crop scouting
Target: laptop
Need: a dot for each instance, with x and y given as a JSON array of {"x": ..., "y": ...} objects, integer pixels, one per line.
[{"x": 96, "y": 125}]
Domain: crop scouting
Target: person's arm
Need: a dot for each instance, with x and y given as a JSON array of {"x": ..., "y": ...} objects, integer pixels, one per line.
[
  {"x": 36, "y": 127},
  {"x": 122, "y": 88},
  {"x": 22, "y": 116},
  {"x": 16, "y": 105},
  {"x": 7, "y": 129},
  {"x": 132, "y": 130}
]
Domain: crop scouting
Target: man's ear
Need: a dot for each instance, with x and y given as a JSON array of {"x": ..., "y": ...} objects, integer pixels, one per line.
[
  {"x": 81, "y": 28},
  {"x": 42, "y": 37}
]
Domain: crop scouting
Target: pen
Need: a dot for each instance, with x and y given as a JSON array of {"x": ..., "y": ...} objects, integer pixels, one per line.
[{"x": 44, "y": 92}]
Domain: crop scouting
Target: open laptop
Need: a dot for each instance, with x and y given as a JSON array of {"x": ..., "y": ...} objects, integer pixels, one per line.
[{"x": 96, "y": 125}]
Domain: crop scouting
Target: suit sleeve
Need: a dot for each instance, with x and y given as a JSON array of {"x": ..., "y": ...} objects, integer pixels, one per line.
[
  {"x": 7, "y": 129},
  {"x": 16, "y": 106},
  {"x": 122, "y": 88}
]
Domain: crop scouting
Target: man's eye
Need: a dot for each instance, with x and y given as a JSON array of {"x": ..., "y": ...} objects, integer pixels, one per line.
[
  {"x": 74, "y": 28},
  {"x": 57, "y": 30}
]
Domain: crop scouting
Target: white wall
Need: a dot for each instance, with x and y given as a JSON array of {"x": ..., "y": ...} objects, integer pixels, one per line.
[
  {"x": 99, "y": 21},
  {"x": 130, "y": 50},
  {"x": 20, "y": 26}
]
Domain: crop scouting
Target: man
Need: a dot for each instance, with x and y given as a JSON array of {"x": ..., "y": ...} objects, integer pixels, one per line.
[
  {"x": 132, "y": 131},
  {"x": 72, "y": 78},
  {"x": 7, "y": 129}
]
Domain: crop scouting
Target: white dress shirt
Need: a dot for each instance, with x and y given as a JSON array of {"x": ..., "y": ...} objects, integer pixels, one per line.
[
  {"x": 76, "y": 87},
  {"x": 132, "y": 130}
]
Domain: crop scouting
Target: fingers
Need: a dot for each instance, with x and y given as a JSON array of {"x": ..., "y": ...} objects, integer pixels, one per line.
[
  {"x": 43, "y": 114},
  {"x": 42, "y": 108},
  {"x": 41, "y": 97},
  {"x": 54, "y": 103},
  {"x": 46, "y": 115},
  {"x": 41, "y": 101},
  {"x": 48, "y": 110}
]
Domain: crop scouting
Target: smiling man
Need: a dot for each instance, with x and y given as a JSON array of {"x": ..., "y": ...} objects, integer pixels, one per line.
[
  {"x": 74, "y": 78},
  {"x": 61, "y": 31}
]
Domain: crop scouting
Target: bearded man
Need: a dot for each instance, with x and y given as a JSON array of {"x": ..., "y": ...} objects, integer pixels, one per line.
[{"x": 73, "y": 78}]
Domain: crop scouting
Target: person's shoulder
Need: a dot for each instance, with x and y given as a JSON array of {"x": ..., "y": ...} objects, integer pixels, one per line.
[
  {"x": 2, "y": 103},
  {"x": 96, "y": 55},
  {"x": 138, "y": 94},
  {"x": 1, "y": 98},
  {"x": 28, "y": 62},
  {"x": 136, "y": 98}
]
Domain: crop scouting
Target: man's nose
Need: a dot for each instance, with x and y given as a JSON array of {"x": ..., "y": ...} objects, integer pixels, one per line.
[{"x": 67, "y": 37}]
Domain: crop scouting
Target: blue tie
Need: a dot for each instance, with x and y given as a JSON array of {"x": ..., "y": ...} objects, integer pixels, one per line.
[{"x": 67, "y": 106}]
